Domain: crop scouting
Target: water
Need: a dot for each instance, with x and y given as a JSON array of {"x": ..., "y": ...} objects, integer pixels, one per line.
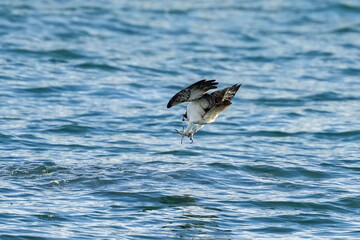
[{"x": 88, "y": 148}]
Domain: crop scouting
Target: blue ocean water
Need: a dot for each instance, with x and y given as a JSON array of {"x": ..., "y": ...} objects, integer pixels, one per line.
[{"x": 88, "y": 148}]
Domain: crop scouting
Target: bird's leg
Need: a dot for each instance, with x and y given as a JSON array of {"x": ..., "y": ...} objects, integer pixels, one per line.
[
  {"x": 197, "y": 129},
  {"x": 191, "y": 133},
  {"x": 181, "y": 133},
  {"x": 188, "y": 129},
  {"x": 186, "y": 132}
]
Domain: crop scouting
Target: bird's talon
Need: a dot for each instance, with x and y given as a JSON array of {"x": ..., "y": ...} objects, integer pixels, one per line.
[
  {"x": 177, "y": 131},
  {"x": 183, "y": 134},
  {"x": 191, "y": 138}
]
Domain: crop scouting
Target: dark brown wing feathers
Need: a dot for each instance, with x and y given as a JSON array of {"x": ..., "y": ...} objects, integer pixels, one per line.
[
  {"x": 225, "y": 94},
  {"x": 193, "y": 92},
  {"x": 220, "y": 99}
]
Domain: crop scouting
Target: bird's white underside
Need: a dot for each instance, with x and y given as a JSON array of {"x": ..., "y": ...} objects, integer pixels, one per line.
[
  {"x": 196, "y": 116},
  {"x": 195, "y": 112}
]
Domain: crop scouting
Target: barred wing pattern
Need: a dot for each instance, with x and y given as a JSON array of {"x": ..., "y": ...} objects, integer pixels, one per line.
[{"x": 193, "y": 92}]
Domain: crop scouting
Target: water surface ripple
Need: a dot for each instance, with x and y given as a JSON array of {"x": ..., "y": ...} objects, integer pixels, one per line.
[{"x": 88, "y": 148}]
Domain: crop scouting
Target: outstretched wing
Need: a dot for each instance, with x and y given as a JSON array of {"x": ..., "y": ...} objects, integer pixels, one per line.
[
  {"x": 226, "y": 93},
  {"x": 193, "y": 92},
  {"x": 222, "y": 101}
]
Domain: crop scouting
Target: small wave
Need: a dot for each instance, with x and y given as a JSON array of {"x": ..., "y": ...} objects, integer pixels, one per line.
[
  {"x": 349, "y": 7},
  {"x": 346, "y": 135},
  {"x": 53, "y": 89},
  {"x": 316, "y": 53},
  {"x": 311, "y": 110},
  {"x": 351, "y": 71},
  {"x": 268, "y": 170},
  {"x": 4, "y": 138},
  {"x": 350, "y": 202},
  {"x": 180, "y": 152},
  {"x": 104, "y": 67},
  {"x": 290, "y": 172},
  {"x": 346, "y": 29},
  {"x": 279, "y": 230},
  {"x": 259, "y": 59},
  {"x": 286, "y": 204},
  {"x": 280, "y": 102},
  {"x": 301, "y": 219},
  {"x": 223, "y": 165},
  {"x": 329, "y": 96},
  {"x": 152, "y": 70},
  {"x": 274, "y": 133},
  {"x": 301, "y": 101},
  {"x": 59, "y": 53},
  {"x": 177, "y": 200},
  {"x": 71, "y": 128}
]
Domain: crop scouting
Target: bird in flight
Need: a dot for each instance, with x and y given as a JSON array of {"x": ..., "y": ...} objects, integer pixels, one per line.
[{"x": 203, "y": 108}]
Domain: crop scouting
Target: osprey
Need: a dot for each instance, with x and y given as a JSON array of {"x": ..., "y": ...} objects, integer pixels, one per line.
[{"x": 203, "y": 108}]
